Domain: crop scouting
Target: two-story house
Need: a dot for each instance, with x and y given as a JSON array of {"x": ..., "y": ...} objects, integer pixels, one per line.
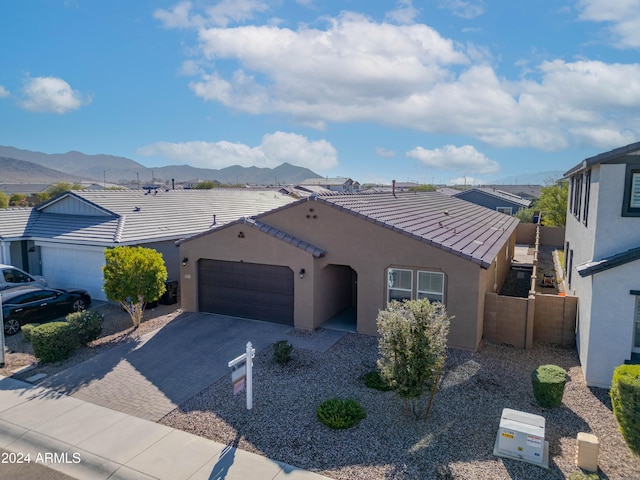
[{"x": 602, "y": 259}]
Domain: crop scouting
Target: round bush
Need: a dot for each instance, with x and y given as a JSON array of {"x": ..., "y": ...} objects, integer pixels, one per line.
[
  {"x": 625, "y": 400},
  {"x": 338, "y": 413},
  {"x": 87, "y": 325},
  {"x": 53, "y": 341},
  {"x": 282, "y": 351},
  {"x": 373, "y": 379},
  {"x": 548, "y": 385},
  {"x": 26, "y": 331}
]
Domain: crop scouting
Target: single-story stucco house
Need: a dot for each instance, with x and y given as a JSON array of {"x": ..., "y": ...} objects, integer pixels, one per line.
[
  {"x": 308, "y": 261},
  {"x": 64, "y": 238},
  {"x": 494, "y": 199}
]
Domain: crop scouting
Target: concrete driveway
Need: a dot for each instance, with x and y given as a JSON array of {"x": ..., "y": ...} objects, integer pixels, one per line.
[{"x": 152, "y": 376}]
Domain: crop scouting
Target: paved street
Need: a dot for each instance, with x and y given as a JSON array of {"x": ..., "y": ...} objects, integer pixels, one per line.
[{"x": 150, "y": 377}]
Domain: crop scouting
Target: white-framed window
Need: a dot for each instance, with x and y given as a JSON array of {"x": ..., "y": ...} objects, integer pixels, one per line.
[
  {"x": 505, "y": 210},
  {"x": 399, "y": 284},
  {"x": 431, "y": 286},
  {"x": 634, "y": 200}
]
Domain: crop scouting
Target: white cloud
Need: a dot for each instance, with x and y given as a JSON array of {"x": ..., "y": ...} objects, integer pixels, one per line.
[
  {"x": 409, "y": 76},
  {"x": 468, "y": 181},
  {"x": 4, "y": 92},
  {"x": 51, "y": 94},
  {"x": 385, "y": 152},
  {"x": 221, "y": 14},
  {"x": 450, "y": 157},
  {"x": 178, "y": 17},
  {"x": 275, "y": 149},
  {"x": 464, "y": 9},
  {"x": 405, "y": 13},
  {"x": 622, "y": 15}
]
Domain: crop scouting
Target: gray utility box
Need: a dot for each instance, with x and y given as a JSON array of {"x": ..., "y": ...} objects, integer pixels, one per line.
[{"x": 521, "y": 436}]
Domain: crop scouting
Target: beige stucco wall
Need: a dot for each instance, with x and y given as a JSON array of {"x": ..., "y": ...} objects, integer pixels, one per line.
[{"x": 365, "y": 247}]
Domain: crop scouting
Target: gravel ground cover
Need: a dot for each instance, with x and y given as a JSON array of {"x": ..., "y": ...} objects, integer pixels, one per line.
[
  {"x": 456, "y": 441},
  {"x": 116, "y": 328}
]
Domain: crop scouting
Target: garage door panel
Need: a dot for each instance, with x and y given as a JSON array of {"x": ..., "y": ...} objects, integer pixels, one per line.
[{"x": 251, "y": 290}]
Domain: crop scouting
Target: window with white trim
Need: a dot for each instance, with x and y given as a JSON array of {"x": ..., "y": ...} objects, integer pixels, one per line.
[
  {"x": 631, "y": 205},
  {"x": 505, "y": 210},
  {"x": 399, "y": 284},
  {"x": 634, "y": 199},
  {"x": 431, "y": 286}
]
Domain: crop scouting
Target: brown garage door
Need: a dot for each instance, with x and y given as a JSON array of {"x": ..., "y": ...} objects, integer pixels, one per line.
[{"x": 248, "y": 290}]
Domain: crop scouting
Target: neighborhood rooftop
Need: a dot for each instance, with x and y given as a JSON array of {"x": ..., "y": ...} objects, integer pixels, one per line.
[
  {"x": 132, "y": 216},
  {"x": 457, "y": 226},
  {"x": 605, "y": 157}
]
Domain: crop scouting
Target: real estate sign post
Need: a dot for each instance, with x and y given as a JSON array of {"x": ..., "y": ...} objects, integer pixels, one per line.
[
  {"x": 242, "y": 373},
  {"x": 1, "y": 335}
]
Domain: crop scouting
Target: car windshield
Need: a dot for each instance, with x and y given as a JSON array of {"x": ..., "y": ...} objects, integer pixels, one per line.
[{"x": 11, "y": 275}]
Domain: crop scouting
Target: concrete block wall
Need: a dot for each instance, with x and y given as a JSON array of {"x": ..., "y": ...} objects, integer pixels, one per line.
[
  {"x": 505, "y": 319},
  {"x": 555, "y": 319}
]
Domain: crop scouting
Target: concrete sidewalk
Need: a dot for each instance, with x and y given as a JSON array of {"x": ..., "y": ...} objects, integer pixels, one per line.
[{"x": 87, "y": 441}]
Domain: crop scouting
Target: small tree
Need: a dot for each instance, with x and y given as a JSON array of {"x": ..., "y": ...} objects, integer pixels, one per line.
[
  {"x": 4, "y": 200},
  {"x": 134, "y": 276},
  {"x": 553, "y": 204},
  {"x": 412, "y": 345}
]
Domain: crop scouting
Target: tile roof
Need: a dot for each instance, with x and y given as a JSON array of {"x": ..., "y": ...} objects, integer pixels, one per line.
[
  {"x": 14, "y": 221},
  {"x": 607, "y": 263},
  {"x": 470, "y": 231},
  {"x": 131, "y": 217},
  {"x": 632, "y": 148},
  {"x": 269, "y": 230},
  {"x": 497, "y": 194}
]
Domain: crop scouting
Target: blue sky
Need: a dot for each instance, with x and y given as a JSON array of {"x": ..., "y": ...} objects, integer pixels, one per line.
[{"x": 420, "y": 90}]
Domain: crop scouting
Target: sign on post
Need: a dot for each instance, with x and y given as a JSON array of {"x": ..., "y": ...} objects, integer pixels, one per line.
[
  {"x": 242, "y": 373},
  {"x": 1, "y": 335}
]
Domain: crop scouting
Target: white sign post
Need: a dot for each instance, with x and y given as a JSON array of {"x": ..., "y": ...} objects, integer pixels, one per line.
[
  {"x": 242, "y": 373},
  {"x": 1, "y": 335}
]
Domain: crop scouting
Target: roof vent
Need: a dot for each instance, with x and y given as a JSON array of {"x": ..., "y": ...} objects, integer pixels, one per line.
[{"x": 136, "y": 209}]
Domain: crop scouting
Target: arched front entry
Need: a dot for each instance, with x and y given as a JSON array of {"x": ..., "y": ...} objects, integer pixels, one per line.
[{"x": 340, "y": 295}]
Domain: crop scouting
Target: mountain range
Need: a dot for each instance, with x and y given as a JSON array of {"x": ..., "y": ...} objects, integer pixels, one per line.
[{"x": 58, "y": 167}]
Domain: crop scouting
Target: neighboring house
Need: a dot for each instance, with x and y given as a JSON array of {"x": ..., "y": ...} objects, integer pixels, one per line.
[
  {"x": 602, "y": 259},
  {"x": 528, "y": 192},
  {"x": 497, "y": 200},
  {"x": 306, "y": 262},
  {"x": 67, "y": 235},
  {"x": 338, "y": 184},
  {"x": 27, "y": 189}
]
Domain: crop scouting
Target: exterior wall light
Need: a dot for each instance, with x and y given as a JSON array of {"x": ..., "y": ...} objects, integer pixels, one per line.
[
  {"x": 241, "y": 235},
  {"x": 185, "y": 260},
  {"x": 302, "y": 272}
]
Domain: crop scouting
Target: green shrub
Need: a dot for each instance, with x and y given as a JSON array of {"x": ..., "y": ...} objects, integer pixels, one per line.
[
  {"x": 87, "y": 325},
  {"x": 373, "y": 379},
  {"x": 282, "y": 351},
  {"x": 26, "y": 331},
  {"x": 583, "y": 476},
  {"x": 337, "y": 413},
  {"x": 625, "y": 399},
  {"x": 53, "y": 341},
  {"x": 548, "y": 385}
]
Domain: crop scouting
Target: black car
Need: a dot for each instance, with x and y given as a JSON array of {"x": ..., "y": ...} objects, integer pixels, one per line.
[{"x": 30, "y": 304}]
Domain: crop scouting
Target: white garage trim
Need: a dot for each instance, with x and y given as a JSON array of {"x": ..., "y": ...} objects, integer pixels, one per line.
[{"x": 73, "y": 266}]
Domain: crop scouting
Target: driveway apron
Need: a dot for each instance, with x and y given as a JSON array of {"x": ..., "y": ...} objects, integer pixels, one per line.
[{"x": 151, "y": 376}]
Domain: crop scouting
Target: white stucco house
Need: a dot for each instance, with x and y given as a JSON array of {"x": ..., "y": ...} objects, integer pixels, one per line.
[{"x": 602, "y": 259}]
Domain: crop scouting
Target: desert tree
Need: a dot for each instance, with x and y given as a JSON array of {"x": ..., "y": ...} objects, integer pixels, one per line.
[
  {"x": 412, "y": 347},
  {"x": 134, "y": 276}
]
